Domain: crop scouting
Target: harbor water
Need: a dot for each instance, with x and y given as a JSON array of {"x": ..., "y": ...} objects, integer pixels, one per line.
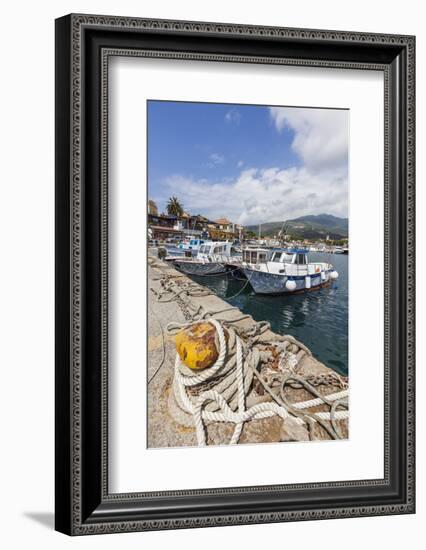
[{"x": 319, "y": 318}]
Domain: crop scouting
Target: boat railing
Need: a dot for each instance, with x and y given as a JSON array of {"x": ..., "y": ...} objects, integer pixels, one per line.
[{"x": 297, "y": 270}]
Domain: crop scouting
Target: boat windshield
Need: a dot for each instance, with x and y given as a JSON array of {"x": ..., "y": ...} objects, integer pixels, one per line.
[
  {"x": 204, "y": 249},
  {"x": 282, "y": 257},
  {"x": 254, "y": 256}
]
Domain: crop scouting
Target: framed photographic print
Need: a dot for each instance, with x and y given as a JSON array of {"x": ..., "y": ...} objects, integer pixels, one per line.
[{"x": 234, "y": 274}]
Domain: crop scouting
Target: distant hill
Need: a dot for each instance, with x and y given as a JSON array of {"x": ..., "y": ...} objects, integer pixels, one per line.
[{"x": 307, "y": 227}]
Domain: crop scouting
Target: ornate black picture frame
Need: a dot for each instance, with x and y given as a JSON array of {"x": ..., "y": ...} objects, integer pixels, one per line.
[{"x": 83, "y": 45}]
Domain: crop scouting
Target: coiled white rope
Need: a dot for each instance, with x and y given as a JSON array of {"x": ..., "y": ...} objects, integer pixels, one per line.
[
  {"x": 319, "y": 401},
  {"x": 195, "y": 405}
]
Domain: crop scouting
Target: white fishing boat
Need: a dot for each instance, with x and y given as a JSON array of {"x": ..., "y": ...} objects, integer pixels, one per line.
[
  {"x": 191, "y": 243},
  {"x": 288, "y": 271},
  {"x": 212, "y": 259}
]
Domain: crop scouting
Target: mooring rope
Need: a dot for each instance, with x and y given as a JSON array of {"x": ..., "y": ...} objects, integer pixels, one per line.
[
  {"x": 235, "y": 411},
  {"x": 218, "y": 393}
]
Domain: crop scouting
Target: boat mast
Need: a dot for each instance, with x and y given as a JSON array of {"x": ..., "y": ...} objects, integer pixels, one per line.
[{"x": 281, "y": 234}]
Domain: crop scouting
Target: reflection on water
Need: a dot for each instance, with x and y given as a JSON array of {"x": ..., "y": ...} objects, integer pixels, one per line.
[{"x": 319, "y": 318}]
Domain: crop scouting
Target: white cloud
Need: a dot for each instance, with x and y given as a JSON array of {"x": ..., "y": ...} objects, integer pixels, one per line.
[
  {"x": 233, "y": 116},
  {"x": 258, "y": 196},
  {"x": 321, "y": 135},
  {"x": 215, "y": 158}
]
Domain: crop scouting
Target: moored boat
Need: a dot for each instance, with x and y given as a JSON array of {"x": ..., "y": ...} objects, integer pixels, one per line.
[
  {"x": 288, "y": 271},
  {"x": 211, "y": 259}
]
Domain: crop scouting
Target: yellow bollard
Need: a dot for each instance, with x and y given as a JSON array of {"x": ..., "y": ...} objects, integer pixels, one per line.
[{"x": 196, "y": 346}]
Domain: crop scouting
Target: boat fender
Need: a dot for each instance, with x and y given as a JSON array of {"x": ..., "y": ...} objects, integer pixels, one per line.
[
  {"x": 323, "y": 276},
  {"x": 307, "y": 282},
  {"x": 334, "y": 275},
  {"x": 290, "y": 285}
]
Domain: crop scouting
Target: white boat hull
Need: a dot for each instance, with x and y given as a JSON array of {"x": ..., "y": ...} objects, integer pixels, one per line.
[{"x": 263, "y": 282}]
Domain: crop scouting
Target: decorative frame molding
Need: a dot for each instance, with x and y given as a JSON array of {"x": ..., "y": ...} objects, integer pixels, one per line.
[{"x": 84, "y": 43}]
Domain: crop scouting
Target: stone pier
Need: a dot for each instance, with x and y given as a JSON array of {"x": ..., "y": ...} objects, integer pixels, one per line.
[{"x": 168, "y": 426}]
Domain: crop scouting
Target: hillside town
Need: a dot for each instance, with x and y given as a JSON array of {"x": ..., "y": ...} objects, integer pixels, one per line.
[{"x": 175, "y": 225}]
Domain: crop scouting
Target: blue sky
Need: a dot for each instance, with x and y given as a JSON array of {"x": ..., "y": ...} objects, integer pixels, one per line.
[{"x": 249, "y": 163}]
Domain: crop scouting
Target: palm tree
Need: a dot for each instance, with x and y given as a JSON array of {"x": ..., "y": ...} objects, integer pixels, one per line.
[{"x": 174, "y": 207}]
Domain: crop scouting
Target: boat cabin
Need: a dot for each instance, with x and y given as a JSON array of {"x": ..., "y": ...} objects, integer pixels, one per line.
[
  {"x": 254, "y": 255},
  {"x": 191, "y": 244},
  {"x": 297, "y": 256},
  {"x": 195, "y": 243},
  {"x": 214, "y": 250},
  {"x": 292, "y": 262}
]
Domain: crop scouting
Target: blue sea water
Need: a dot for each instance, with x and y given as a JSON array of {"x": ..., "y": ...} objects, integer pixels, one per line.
[{"x": 319, "y": 319}]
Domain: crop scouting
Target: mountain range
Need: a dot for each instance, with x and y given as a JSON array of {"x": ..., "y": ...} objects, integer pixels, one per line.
[{"x": 306, "y": 227}]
